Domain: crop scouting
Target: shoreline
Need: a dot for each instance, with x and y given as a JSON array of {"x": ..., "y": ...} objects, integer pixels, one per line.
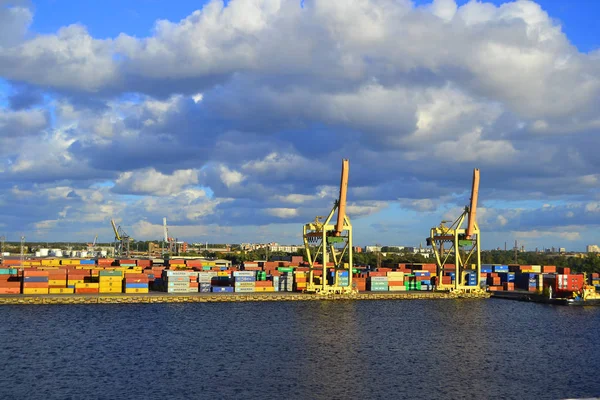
[{"x": 161, "y": 297}]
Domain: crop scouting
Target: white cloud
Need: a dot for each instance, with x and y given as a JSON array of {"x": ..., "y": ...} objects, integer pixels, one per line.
[
  {"x": 230, "y": 177},
  {"x": 282, "y": 212},
  {"x": 153, "y": 182}
]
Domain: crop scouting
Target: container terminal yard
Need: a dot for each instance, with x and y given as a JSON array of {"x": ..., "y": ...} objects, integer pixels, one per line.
[{"x": 327, "y": 273}]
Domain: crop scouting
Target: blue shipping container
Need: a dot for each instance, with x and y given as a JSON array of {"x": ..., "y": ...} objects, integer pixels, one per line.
[
  {"x": 136, "y": 285},
  {"x": 245, "y": 279},
  {"x": 222, "y": 289},
  {"x": 35, "y": 279}
]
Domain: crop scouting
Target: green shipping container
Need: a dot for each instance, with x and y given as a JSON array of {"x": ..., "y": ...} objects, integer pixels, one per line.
[
  {"x": 8, "y": 271},
  {"x": 285, "y": 269},
  {"x": 110, "y": 273}
]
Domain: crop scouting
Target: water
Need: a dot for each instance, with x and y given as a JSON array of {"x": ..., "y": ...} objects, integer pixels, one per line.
[{"x": 443, "y": 349}]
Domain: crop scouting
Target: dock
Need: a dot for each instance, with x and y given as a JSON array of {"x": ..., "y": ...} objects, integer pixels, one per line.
[{"x": 161, "y": 297}]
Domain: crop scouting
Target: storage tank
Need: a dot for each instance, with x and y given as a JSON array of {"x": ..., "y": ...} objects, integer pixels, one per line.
[
  {"x": 83, "y": 254},
  {"x": 57, "y": 252},
  {"x": 44, "y": 252},
  {"x": 37, "y": 254},
  {"x": 103, "y": 253}
]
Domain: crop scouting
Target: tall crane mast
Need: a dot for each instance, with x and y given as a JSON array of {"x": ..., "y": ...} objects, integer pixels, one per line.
[
  {"x": 171, "y": 243},
  {"x": 324, "y": 236},
  {"x": 165, "y": 229}
]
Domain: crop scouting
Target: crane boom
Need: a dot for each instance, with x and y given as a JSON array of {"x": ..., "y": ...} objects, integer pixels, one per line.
[
  {"x": 339, "y": 226},
  {"x": 95, "y": 239},
  {"x": 473, "y": 205},
  {"x": 117, "y": 236}
]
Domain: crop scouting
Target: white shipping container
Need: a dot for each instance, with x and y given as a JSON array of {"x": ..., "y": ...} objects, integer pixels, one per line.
[{"x": 244, "y": 273}]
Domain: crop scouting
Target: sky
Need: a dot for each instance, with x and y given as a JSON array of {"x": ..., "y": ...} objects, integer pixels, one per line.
[{"x": 231, "y": 118}]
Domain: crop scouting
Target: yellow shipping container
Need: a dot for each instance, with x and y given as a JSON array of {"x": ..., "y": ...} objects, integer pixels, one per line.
[
  {"x": 222, "y": 273},
  {"x": 264, "y": 289},
  {"x": 397, "y": 288},
  {"x": 135, "y": 270},
  {"x": 75, "y": 281},
  {"x": 88, "y": 285},
  {"x": 61, "y": 290},
  {"x": 110, "y": 290},
  {"x": 111, "y": 279},
  {"x": 50, "y": 261},
  {"x": 35, "y": 290},
  {"x": 56, "y": 282},
  {"x": 396, "y": 274},
  {"x": 136, "y": 290},
  {"x": 110, "y": 285}
]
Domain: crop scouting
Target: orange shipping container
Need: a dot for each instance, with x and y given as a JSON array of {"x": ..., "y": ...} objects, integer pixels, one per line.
[
  {"x": 29, "y": 272},
  {"x": 10, "y": 284},
  {"x": 10, "y": 290},
  {"x": 35, "y": 284},
  {"x": 263, "y": 284}
]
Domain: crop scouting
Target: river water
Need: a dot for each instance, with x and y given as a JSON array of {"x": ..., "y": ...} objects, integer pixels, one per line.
[{"x": 421, "y": 349}]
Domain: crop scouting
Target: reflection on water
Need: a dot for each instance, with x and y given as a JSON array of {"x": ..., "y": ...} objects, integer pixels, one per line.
[{"x": 301, "y": 350}]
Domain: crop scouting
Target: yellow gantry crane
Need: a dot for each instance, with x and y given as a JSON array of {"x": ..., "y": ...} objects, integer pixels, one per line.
[
  {"x": 122, "y": 239},
  {"x": 320, "y": 240},
  {"x": 459, "y": 245}
]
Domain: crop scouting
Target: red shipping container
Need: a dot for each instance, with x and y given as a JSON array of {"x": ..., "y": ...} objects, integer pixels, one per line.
[
  {"x": 446, "y": 280},
  {"x": 509, "y": 286},
  {"x": 136, "y": 276},
  {"x": 263, "y": 283},
  {"x": 136, "y": 280},
  {"x": 549, "y": 269},
  {"x": 87, "y": 290}
]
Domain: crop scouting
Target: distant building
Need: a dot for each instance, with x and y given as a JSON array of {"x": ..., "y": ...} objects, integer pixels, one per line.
[
  {"x": 372, "y": 249},
  {"x": 285, "y": 248},
  {"x": 357, "y": 249},
  {"x": 562, "y": 250},
  {"x": 592, "y": 248}
]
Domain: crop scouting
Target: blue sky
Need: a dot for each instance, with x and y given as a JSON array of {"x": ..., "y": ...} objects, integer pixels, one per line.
[{"x": 231, "y": 122}]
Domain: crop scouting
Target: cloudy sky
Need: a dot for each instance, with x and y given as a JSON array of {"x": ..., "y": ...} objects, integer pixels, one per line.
[{"x": 231, "y": 118}]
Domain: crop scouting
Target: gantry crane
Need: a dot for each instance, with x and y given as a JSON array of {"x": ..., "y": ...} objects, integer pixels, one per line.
[
  {"x": 322, "y": 237},
  {"x": 459, "y": 245},
  {"x": 122, "y": 240}
]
